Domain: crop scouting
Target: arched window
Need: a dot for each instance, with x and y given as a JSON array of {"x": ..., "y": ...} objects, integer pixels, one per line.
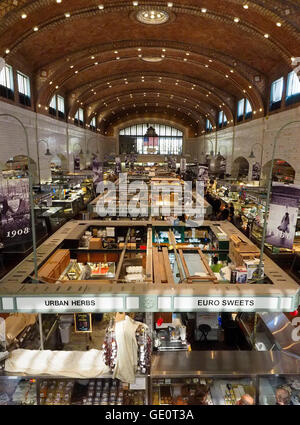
[
  {"x": 151, "y": 139},
  {"x": 93, "y": 125},
  {"x": 222, "y": 122},
  {"x": 57, "y": 106},
  {"x": 79, "y": 117},
  {"x": 208, "y": 126}
]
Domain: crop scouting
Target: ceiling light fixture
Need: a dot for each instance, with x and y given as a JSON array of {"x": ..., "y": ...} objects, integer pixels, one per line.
[
  {"x": 203, "y": 10},
  {"x": 135, "y": 3},
  {"x": 236, "y": 19},
  {"x": 246, "y": 6},
  {"x": 23, "y": 16},
  {"x": 101, "y": 6},
  {"x": 278, "y": 24},
  {"x": 35, "y": 28},
  {"x": 266, "y": 36},
  {"x": 170, "y": 4},
  {"x": 7, "y": 51},
  {"x": 67, "y": 15}
]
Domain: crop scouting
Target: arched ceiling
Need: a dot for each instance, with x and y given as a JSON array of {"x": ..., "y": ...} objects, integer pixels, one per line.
[{"x": 207, "y": 55}]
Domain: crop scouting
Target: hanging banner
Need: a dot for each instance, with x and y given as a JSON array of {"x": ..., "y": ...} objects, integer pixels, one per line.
[
  {"x": 76, "y": 163},
  {"x": 97, "y": 168},
  {"x": 283, "y": 215},
  {"x": 256, "y": 170},
  {"x": 15, "y": 211},
  {"x": 118, "y": 166},
  {"x": 172, "y": 163},
  {"x": 202, "y": 174},
  {"x": 182, "y": 167}
]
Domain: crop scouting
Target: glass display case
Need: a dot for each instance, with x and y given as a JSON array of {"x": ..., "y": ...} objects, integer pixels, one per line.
[
  {"x": 181, "y": 378},
  {"x": 276, "y": 389},
  {"x": 17, "y": 390}
]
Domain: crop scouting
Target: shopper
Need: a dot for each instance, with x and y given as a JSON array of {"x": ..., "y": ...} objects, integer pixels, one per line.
[
  {"x": 201, "y": 396},
  {"x": 246, "y": 400},
  {"x": 231, "y": 211},
  {"x": 238, "y": 221},
  {"x": 215, "y": 266},
  {"x": 224, "y": 214},
  {"x": 283, "y": 396},
  {"x": 87, "y": 271}
]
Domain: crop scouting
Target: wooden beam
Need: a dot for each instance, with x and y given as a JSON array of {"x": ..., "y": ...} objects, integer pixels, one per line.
[{"x": 168, "y": 270}]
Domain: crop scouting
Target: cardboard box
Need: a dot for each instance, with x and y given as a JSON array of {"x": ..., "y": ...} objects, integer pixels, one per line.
[{"x": 95, "y": 243}]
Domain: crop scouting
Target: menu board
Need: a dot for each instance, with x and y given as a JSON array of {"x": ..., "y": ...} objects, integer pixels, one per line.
[{"x": 83, "y": 322}]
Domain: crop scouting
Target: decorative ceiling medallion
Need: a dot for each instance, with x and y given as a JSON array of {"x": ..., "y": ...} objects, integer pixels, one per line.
[
  {"x": 152, "y": 16},
  {"x": 152, "y": 59}
]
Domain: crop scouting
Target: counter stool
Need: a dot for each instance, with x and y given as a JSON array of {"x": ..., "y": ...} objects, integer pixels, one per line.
[{"x": 204, "y": 329}]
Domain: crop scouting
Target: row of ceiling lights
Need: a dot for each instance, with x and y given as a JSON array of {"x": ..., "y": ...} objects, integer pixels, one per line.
[{"x": 136, "y": 3}]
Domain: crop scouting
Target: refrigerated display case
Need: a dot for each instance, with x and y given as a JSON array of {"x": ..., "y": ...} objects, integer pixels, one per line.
[{"x": 176, "y": 377}]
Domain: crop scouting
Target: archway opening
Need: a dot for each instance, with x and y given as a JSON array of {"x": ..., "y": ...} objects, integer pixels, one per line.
[
  {"x": 282, "y": 171},
  {"x": 240, "y": 168}
]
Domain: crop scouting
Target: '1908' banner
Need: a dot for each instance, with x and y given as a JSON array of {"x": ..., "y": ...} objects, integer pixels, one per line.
[{"x": 14, "y": 211}]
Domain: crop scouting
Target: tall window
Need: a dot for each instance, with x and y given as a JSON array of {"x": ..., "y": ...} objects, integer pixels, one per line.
[
  {"x": 79, "y": 117},
  {"x": 240, "y": 110},
  {"x": 24, "y": 88},
  {"x": 276, "y": 94},
  {"x": 248, "y": 110},
  {"x": 292, "y": 88},
  {"x": 93, "y": 125},
  {"x": 208, "y": 125},
  {"x": 57, "y": 106},
  {"x": 163, "y": 139},
  {"x": 7, "y": 82},
  {"x": 60, "y": 106},
  {"x": 222, "y": 121},
  {"x": 52, "y": 106}
]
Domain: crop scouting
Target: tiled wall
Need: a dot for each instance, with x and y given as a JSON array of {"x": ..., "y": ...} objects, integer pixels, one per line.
[{"x": 63, "y": 139}]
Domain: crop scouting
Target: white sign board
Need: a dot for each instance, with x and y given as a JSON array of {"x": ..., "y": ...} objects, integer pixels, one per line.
[
  {"x": 225, "y": 304},
  {"x": 74, "y": 304}
]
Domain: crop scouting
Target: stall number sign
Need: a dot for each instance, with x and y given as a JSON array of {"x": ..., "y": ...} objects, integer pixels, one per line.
[{"x": 83, "y": 322}]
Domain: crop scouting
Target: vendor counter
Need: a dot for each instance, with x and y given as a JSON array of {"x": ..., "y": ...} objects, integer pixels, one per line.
[
  {"x": 156, "y": 267},
  {"x": 174, "y": 379}
]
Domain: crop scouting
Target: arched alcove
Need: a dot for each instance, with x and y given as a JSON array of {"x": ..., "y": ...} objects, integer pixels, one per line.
[
  {"x": 282, "y": 171},
  {"x": 240, "y": 168}
]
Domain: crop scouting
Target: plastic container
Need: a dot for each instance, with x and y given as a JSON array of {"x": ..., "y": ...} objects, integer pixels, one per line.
[{"x": 65, "y": 332}]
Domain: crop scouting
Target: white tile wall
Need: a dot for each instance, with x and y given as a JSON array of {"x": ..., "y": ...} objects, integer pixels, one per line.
[{"x": 61, "y": 137}]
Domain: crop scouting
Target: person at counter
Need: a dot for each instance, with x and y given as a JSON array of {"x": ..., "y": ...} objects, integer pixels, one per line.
[
  {"x": 86, "y": 271},
  {"x": 216, "y": 267},
  {"x": 283, "y": 397},
  {"x": 224, "y": 214},
  {"x": 200, "y": 397},
  {"x": 245, "y": 400},
  {"x": 231, "y": 211}
]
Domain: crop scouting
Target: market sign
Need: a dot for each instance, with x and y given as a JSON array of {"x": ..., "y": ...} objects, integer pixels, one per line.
[{"x": 148, "y": 303}]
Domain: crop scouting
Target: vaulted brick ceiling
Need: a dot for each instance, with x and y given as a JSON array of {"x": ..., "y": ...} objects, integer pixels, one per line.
[{"x": 207, "y": 60}]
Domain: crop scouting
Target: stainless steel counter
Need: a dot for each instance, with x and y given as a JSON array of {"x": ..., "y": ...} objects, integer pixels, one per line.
[
  {"x": 222, "y": 363},
  {"x": 282, "y": 330}
]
